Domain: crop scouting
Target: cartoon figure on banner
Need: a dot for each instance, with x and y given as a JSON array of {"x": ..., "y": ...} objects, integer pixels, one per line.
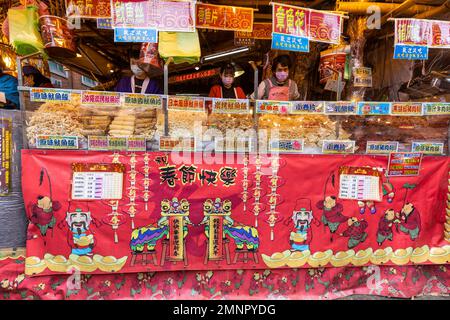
[
  {"x": 177, "y": 213},
  {"x": 410, "y": 222},
  {"x": 148, "y": 236},
  {"x": 245, "y": 237},
  {"x": 332, "y": 212},
  {"x": 387, "y": 221},
  {"x": 42, "y": 212},
  {"x": 302, "y": 216},
  {"x": 80, "y": 237},
  {"x": 355, "y": 232},
  {"x": 173, "y": 222}
]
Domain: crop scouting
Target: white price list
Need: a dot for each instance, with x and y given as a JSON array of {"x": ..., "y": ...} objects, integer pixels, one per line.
[
  {"x": 97, "y": 185},
  {"x": 359, "y": 187}
]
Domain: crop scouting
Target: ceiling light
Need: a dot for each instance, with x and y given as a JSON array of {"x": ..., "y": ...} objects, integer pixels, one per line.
[
  {"x": 225, "y": 53},
  {"x": 79, "y": 55}
]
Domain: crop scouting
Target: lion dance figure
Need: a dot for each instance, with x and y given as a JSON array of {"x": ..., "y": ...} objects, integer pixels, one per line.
[
  {"x": 241, "y": 234},
  {"x": 152, "y": 233}
]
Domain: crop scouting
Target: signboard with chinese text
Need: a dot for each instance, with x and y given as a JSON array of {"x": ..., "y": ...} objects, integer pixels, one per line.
[
  {"x": 273, "y": 107},
  {"x": 359, "y": 183},
  {"x": 97, "y": 181},
  {"x": 362, "y": 77},
  {"x": 286, "y": 146},
  {"x": 177, "y": 144},
  {"x": 218, "y": 17},
  {"x": 290, "y": 43},
  {"x": 307, "y": 107},
  {"x": 236, "y": 106},
  {"x": 406, "y": 109},
  {"x": 50, "y": 95},
  {"x": 135, "y": 35},
  {"x": 195, "y": 75},
  {"x": 185, "y": 103},
  {"x": 381, "y": 147},
  {"x": 261, "y": 31},
  {"x": 338, "y": 146},
  {"x": 57, "y": 142},
  {"x": 407, "y": 52},
  {"x": 374, "y": 108},
  {"x": 436, "y": 108},
  {"x": 142, "y": 100},
  {"x": 404, "y": 164},
  {"x": 100, "y": 98},
  {"x": 340, "y": 107},
  {"x": 104, "y": 23},
  {"x": 6, "y": 147},
  {"x": 88, "y": 8},
  {"x": 325, "y": 27},
  {"x": 434, "y": 148}
]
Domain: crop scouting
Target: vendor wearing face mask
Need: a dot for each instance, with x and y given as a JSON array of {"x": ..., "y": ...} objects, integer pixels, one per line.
[
  {"x": 139, "y": 82},
  {"x": 279, "y": 86},
  {"x": 227, "y": 89}
]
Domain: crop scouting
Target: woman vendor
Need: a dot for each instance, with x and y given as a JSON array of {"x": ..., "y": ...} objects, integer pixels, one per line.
[
  {"x": 279, "y": 86},
  {"x": 227, "y": 89},
  {"x": 139, "y": 82}
]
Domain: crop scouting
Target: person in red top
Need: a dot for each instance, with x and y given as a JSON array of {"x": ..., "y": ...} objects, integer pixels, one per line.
[
  {"x": 42, "y": 214},
  {"x": 332, "y": 213},
  {"x": 355, "y": 232},
  {"x": 34, "y": 78},
  {"x": 385, "y": 226},
  {"x": 410, "y": 221},
  {"x": 227, "y": 89},
  {"x": 302, "y": 217}
]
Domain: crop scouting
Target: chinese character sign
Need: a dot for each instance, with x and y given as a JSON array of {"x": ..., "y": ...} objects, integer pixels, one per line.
[
  {"x": 261, "y": 30},
  {"x": 325, "y": 27},
  {"x": 440, "y": 31},
  {"x": 290, "y": 20},
  {"x": 130, "y": 13},
  {"x": 88, "y": 8},
  {"x": 135, "y": 35},
  {"x": 172, "y": 16},
  {"x": 224, "y": 17},
  {"x": 412, "y": 32}
]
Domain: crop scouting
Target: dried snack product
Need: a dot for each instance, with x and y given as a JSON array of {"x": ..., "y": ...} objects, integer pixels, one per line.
[{"x": 55, "y": 119}]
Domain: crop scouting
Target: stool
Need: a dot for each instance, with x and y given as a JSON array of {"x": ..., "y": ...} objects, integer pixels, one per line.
[
  {"x": 227, "y": 252},
  {"x": 242, "y": 256},
  {"x": 144, "y": 257},
  {"x": 164, "y": 258}
]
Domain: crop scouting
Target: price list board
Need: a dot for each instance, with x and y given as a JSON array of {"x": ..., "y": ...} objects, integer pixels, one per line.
[
  {"x": 363, "y": 184},
  {"x": 97, "y": 181}
]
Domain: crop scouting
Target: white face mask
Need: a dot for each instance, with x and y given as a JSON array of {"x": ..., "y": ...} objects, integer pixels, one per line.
[{"x": 138, "y": 72}]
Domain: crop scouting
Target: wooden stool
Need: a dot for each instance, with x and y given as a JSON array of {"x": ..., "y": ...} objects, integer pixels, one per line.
[
  {"x": 164, "y": 258},
  {"x": 242, "y": 256},
  {"x": 227, "y": 252},
  {"x": 144, "y": 257}
]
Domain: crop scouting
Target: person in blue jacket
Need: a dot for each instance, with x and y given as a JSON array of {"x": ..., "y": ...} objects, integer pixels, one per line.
[
  {"x": 139, "y": 82},
  {"x": 8, "y": 85}
]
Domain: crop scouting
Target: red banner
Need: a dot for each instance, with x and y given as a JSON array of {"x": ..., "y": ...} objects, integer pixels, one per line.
[
  {"x": 325, "y": 27},
  {"x": 412, "y": 32},
  {"x": 440, "y": 31},
  {"x": 88, "y": 8},
  {"x": 261, "y": 30},
  {"x": 290, "y": 20},
  {"x": 312, "y": 226},
  {"x": 217, "y": 17}
]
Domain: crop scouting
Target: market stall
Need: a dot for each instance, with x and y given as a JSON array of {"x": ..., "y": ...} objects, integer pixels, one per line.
[{"x": 132, "y": 182}]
